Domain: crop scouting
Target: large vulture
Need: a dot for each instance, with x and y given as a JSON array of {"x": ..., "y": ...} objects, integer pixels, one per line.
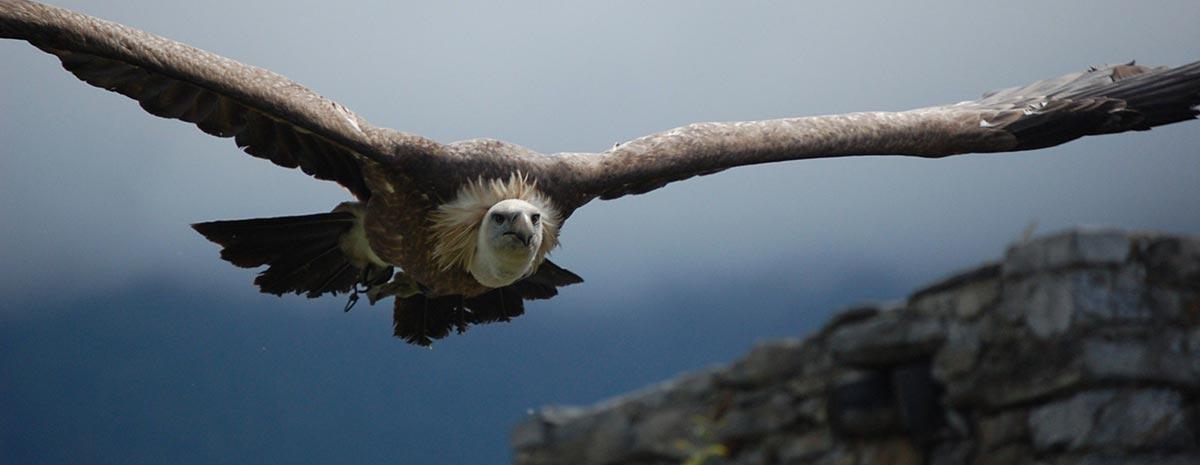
[{"x": 459, "y": 232}]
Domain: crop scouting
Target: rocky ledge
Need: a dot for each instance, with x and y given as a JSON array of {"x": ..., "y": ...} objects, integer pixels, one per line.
[{"x": 1077, "y": 348}]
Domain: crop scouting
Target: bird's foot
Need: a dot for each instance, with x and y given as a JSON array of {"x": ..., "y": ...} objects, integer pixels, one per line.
[{"x": 401, "y": 286}]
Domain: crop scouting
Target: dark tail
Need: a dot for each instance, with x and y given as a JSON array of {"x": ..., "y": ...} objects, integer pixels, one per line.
[
  {"x": 303, "y": 254},
  {"x": 420, "y": 319}
]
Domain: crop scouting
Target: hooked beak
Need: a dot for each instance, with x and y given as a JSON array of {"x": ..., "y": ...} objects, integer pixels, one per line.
[{"x": 524, "y": 238}]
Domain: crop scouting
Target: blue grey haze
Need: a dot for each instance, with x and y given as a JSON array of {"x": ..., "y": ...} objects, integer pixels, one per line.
[{"x": 123, "y": 339}]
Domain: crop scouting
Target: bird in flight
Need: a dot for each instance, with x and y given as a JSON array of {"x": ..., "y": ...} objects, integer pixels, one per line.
[{"x": 458, "y": 233}]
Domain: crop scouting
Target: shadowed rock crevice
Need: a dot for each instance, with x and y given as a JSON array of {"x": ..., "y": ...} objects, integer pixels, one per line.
[{"x": 1079, "y": 347}]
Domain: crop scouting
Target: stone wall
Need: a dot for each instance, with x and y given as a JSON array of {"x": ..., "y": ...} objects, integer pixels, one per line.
[{"x": 1077, "y": 348}]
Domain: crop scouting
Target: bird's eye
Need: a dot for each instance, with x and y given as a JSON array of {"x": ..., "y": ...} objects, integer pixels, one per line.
[
  {"x": 535, "y": 218},
  {"x": 498, "y": 218}
]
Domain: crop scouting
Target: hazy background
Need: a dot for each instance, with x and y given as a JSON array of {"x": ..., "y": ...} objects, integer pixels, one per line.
[{"x": 123, "y": 339}]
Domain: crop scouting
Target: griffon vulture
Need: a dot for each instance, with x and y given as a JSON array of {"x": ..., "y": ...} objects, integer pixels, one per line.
[{"x": 458, "y": 233}]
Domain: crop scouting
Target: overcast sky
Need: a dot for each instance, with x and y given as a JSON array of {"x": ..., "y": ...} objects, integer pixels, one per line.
[
  {"x": 90, "y": 183},
  {"x": 96, "y": 196}
]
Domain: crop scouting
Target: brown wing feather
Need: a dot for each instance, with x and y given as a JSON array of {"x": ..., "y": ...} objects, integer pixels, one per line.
[
  {"x": 268, "y": 115},
  {"x": 1046, "y": 113}
]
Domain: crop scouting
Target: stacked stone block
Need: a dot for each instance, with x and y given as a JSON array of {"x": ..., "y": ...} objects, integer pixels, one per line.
[{"x": 1077, "y": 348}]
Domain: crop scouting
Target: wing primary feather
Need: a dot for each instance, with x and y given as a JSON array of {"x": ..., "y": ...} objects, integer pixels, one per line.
[
  {"x": 202, "y": 106},
  {"x": 218, "y": 95},
  {"x": 173, "y": 101},
  {"x": 1042, "y": 114},
  {"x": 289, "y": 147}
]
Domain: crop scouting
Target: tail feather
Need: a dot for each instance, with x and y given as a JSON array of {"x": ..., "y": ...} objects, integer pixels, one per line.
[
  {"x": 307, "y": 273},
  {"x": 303, "y": 253},
  {"x": 420, "y": 319}
]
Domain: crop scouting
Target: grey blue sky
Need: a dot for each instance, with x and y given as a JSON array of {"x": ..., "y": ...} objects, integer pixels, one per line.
[{"x": 96, "y": 196}]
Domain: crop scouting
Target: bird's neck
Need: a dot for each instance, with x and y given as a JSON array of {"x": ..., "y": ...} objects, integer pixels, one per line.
[{"x": 498, "y": 268}]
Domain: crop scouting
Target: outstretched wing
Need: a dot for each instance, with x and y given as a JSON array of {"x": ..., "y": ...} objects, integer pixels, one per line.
[
  {"x": 268, "y": 115},
  {"x": 1046, "y": 113}
]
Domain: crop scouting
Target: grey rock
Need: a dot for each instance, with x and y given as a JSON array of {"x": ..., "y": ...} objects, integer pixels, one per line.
[
  {"x": 951, "y": 453},
  {"x": 1141, "y": 354},
  {"x": 611, "y": 440},
  {"x": 1146, "y": 418},
  {"x": 893, "y": 451},
  {"x": 963, "y": 295},
  {"x": 1172, "y": 261},
  {"x": 1098, "y": 247},
  {"x": 1014, "y": 367},
  {"x": 961, "y": 352},
  {"x": 1018, "y": 368},
  {"x": 814, "y": 411},
  {"x": 1080, "y": 348},
  {"x": 660, "y": 432},
  {"x": 529, "y": 434},
  {"x": 1013, "y": 454},
  {"x": 1112, "y": 419},
  {"x": 767, "y": 363},
  {"x": 803, "y": 448},
  {"x": 967, "y": 302},
  {"x": 1072, "y": 248},
  {"x": 851, "y": 315},
  {"x": 1041, "y": 302},
  {"x": 535, "y": 430},
  {"x": 1101, "y": 297},
  {"x": 1003, "y": 429},
  {"x": 816, "y": 384},
  {"x": 758, "y": 413},
  {"x": 748, "y": 457},
  {"x": 1050, "y": 304},
  {"x": 1129, "y": 459},
  {"x": 889, "y": 338},
  {"x": 1175, "y": 305},
  {"x": 1067, "y": 423}
]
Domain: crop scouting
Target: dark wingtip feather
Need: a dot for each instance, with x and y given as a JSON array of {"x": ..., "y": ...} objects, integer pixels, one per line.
[{"x": 1107, "y": 100}]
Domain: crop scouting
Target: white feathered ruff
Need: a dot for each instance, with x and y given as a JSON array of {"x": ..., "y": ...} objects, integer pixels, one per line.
[{"x": 456, "y": 223}]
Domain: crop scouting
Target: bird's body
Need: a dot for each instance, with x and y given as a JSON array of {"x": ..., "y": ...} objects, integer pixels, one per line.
[{"x": 459, "y": 232}]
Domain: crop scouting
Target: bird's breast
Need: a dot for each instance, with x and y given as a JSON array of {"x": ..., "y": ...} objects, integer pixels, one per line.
[{"x": 398, "y": 228}]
